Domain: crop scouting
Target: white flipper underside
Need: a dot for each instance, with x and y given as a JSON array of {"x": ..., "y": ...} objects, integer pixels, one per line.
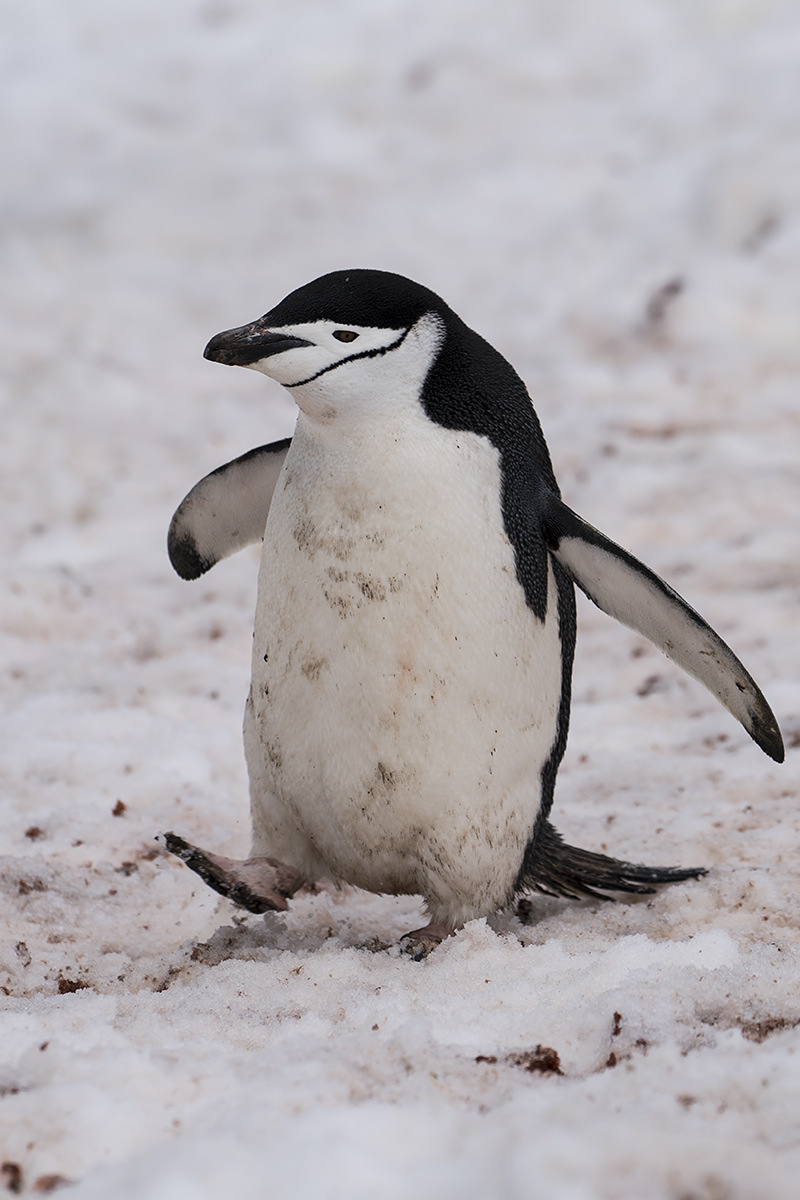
[
  {"x": 226, "y": 511},
  {"x": 630, "y": 592}
]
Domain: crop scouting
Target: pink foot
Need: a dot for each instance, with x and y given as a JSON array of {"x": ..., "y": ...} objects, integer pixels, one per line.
[
  {"x": 257, "y": 884},
  {"x": 420, "y": 942}
]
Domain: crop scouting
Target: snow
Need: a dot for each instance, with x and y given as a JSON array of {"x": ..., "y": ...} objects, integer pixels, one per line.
[{"x": 550, "y": 169}]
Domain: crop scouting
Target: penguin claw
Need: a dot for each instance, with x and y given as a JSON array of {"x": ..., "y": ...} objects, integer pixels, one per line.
[
  {"x": 420, "y": 942},
  {"x": 257, "y": 884}
]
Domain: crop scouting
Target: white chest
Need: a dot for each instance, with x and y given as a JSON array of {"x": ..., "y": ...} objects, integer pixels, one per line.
[{"x": 404, "y": 695}]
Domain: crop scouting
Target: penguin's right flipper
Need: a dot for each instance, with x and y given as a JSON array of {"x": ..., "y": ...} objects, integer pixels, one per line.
[
  {"x": 225, "y": 511},
  {"x": 561, "y": 870},
  {"x": 629, "y": 591}
]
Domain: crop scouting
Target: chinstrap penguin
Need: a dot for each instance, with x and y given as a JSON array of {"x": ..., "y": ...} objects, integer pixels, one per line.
[{"x": 415, "y": 623}]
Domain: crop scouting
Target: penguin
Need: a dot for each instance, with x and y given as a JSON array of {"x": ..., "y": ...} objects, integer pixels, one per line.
[{"x": 415, "y": 622}]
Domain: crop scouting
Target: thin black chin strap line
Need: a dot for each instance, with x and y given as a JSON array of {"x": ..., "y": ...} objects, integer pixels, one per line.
[{"x": 352, "y": 358}]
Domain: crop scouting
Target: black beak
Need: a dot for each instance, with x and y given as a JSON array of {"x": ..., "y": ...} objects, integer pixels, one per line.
[{"x": 248, "y": 344}]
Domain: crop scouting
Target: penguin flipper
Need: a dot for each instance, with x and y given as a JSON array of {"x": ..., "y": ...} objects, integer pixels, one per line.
[
  {"x": 225, "y": 511},
  {"x": 626, "y": 589},
  {"x": 557, "y": 869}
]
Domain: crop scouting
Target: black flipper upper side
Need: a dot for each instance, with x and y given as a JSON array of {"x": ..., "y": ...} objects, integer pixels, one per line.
[
  {"x": 626, "y": 589},
  {"x": 225, "y": 511}
]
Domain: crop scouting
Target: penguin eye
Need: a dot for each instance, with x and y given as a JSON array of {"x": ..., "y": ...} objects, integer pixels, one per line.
[{"x": 344, "y": 335}]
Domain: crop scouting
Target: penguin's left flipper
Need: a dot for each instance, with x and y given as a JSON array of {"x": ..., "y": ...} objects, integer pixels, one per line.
[
  {"x": 626, "y": 589},
  {"x": 225, "y": 511}
]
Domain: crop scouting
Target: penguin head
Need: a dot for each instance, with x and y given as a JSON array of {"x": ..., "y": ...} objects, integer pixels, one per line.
[{"x": 348, "y": 344}]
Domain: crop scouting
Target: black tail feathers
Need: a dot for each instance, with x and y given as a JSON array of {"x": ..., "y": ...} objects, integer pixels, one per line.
[{"x": 561, "y": 870}]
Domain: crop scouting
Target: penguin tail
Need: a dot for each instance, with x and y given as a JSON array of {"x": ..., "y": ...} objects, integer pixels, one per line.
[{"x": 557, "y": 869}]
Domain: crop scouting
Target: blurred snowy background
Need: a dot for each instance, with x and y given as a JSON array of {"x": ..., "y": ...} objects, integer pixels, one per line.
[{"x": 610, "y": 193}]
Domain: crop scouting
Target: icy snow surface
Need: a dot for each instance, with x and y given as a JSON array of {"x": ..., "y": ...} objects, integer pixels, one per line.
[{"x": 610, "y": 192}]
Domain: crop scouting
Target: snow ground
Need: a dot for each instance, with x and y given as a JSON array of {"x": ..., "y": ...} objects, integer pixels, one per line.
[{"x": 172, "y": 170}]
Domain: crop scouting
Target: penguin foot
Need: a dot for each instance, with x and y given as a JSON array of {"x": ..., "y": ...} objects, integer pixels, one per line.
[
  {"x": 420, "y": 942},
  {"x": 257, "y": 884}
]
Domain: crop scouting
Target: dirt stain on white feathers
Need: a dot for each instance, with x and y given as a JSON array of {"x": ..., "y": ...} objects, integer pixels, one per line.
[
  {"x": 383, "y": 783},
  {"x": 312, "y": 667},
  {"x": 311, "y": 541},
  {"x": 370, "y": 588}
]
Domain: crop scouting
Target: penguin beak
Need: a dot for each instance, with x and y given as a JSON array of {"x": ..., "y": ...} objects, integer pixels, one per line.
[{"x": 249, "y": 344}]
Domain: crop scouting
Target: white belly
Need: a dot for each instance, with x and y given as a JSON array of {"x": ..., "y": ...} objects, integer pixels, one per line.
[{"x": 404, "y": 697}]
